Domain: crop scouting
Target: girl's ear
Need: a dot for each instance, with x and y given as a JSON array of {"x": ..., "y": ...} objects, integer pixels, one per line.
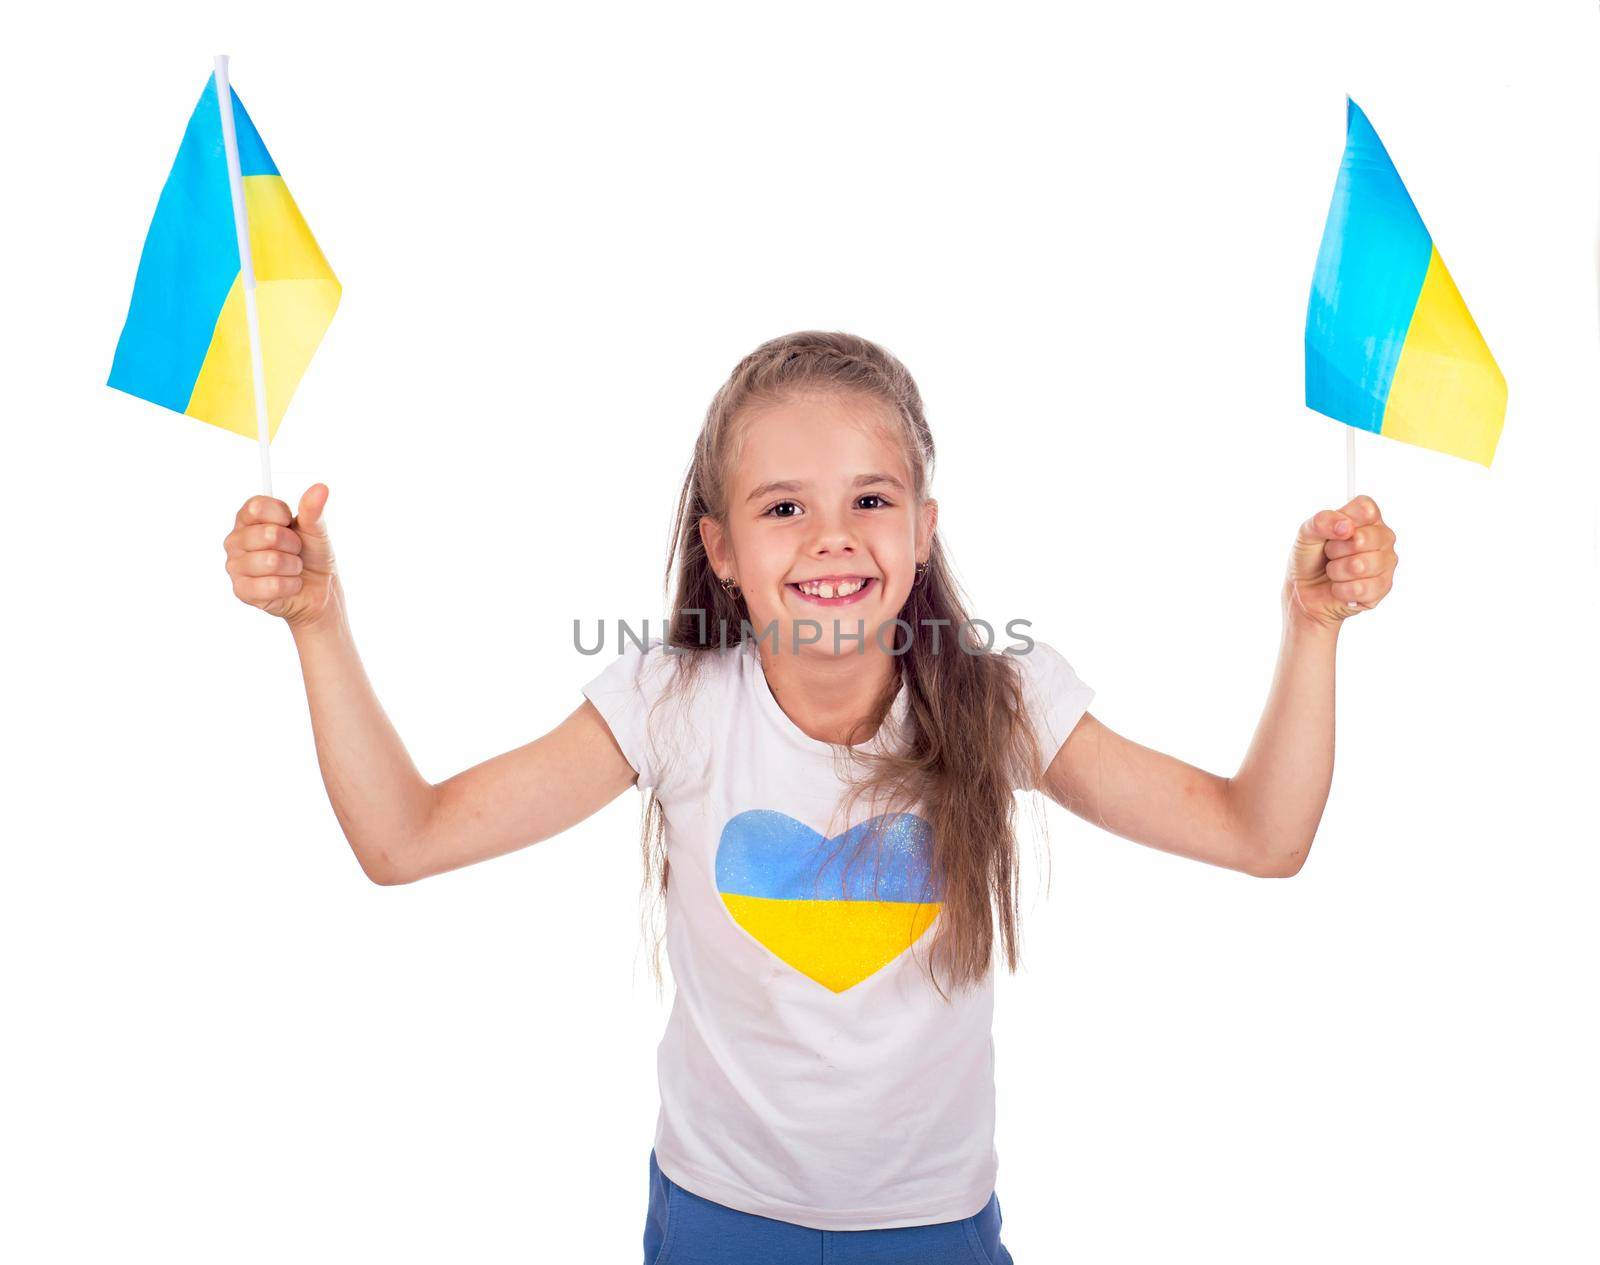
[
  {"x": 713, "y": 538},
  {"x": 928, "y": 521}
]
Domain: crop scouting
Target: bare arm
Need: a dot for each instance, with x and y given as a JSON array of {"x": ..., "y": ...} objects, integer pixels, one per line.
[
  {"x": 1262, "y": 820},
  {"x": 521, "y": 797},
  {"x": 403, "y": 828}
]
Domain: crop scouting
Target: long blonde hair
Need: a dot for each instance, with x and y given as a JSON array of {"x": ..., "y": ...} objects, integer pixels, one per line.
[{"x": 966, "y": 742}]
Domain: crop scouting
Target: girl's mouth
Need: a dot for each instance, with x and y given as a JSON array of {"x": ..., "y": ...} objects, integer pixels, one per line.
[{"x": 817, "y": 598}]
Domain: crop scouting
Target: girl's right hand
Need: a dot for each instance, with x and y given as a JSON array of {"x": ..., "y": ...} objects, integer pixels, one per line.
[{"x": 283, "y": 564}]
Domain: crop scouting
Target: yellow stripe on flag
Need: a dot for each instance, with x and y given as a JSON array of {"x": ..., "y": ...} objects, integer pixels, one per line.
[
  {"x": 296, "y": 294},
  {"x": 1448, "y": 394}
]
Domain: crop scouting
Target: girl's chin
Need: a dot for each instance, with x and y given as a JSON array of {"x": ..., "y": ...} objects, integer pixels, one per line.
[{"x": 821, "y": 631}]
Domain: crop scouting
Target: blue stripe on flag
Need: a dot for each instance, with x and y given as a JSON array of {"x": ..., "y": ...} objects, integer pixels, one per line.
[
  {"x": 190, "y": 260},
  {"x": 1374, "y": 256}
]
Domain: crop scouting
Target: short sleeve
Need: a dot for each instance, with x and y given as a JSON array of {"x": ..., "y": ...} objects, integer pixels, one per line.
[
  {"x": 1056, "y": 698},
  {"x": 624, "y": 693}
]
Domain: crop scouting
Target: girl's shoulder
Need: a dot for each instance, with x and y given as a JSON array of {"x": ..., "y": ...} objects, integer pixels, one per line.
[
  {"x": 652, "y": 668},
  {"x": 653, "y": 663},
  {"x": 1054, "y": 695},
  {"x": 655, "y": 701}
]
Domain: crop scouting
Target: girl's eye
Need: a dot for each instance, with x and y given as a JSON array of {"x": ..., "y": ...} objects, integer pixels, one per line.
[{"x": 773, "y": 511}]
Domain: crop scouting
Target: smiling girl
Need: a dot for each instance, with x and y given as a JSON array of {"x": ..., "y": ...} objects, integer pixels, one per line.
[{"x": 830, "y": 805}]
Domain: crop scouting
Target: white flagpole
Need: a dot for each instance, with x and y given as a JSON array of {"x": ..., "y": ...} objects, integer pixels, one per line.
[
  {"x": 247, "y": 271},
  {"x": 1349, "y": 464},
  {"x": 1350, "y": 476}
]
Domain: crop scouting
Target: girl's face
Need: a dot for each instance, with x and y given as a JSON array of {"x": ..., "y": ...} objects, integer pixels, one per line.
[{"x": 822, "y": 495}]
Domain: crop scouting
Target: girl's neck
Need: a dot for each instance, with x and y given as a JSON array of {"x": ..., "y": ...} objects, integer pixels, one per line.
[{"x": 828, "y": 696}]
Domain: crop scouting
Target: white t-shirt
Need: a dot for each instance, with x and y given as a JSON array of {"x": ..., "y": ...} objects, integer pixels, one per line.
[{"x": 809, "y": 1071}]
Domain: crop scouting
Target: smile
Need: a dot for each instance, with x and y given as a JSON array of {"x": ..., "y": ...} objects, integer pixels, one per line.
[{"x": 839, "y": 591}]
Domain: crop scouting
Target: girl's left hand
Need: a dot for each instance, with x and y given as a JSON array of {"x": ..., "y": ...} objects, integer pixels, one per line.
[{"x": 1342, "y": 564}]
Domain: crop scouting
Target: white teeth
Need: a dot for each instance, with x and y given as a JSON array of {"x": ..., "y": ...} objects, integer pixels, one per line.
[{"x": 827, "y": 588}]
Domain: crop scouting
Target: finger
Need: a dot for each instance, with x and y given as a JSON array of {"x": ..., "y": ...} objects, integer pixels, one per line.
[
  {"x": 263, "y": 509},
  {"x": 266, "y": 588},
  {"x": 1356, "y": 566},
  {"x": 262, "y": 536},
  {"x": 1363, "y": 562},
  {"x": 1327, "y": 525},
  {"x": 1364, "y": 510},
  {"x": 1376, "y": 536},
  {"x": 1307, "y": 557},
  {"x": 1365, "y": 590},
  {"x": 265, "y": 562},
  {"x": 309, "y": 516}
]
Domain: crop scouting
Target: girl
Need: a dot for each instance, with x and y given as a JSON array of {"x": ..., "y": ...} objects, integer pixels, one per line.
[{"x": 826, "y": 1073}]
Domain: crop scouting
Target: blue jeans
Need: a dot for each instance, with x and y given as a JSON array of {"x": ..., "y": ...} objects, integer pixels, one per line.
[{"x": 683, "y": 1229}]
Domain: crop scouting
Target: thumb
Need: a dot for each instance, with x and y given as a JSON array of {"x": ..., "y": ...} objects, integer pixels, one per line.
[
  {"x": 308, "y": 520},
  {"x": 311, "y": 525},
  {"x": 1308, "y": 558}
]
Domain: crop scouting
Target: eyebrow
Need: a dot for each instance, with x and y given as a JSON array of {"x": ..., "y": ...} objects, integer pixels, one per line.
[{"x": 794, "y": 485}]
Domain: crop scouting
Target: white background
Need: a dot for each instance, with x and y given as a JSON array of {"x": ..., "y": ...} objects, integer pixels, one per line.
[{"x": 1090, "y": 236}]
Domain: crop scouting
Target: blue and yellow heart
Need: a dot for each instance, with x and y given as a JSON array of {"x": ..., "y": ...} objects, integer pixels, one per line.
[{"x": 829, "y": 915}]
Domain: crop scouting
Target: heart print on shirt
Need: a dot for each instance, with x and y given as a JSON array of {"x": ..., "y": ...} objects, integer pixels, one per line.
[{"x": 839, "y": 928}]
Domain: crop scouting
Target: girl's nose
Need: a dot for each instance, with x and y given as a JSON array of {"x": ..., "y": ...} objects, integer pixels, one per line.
[
  {"x": 833, "y": 544},
  {"x": 833, "y": 537}
]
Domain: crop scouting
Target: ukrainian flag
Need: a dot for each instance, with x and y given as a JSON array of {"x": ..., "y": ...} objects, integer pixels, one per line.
[
  {"x": 1390, "y": 346},
  {"x": 185, "y": 344}
]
